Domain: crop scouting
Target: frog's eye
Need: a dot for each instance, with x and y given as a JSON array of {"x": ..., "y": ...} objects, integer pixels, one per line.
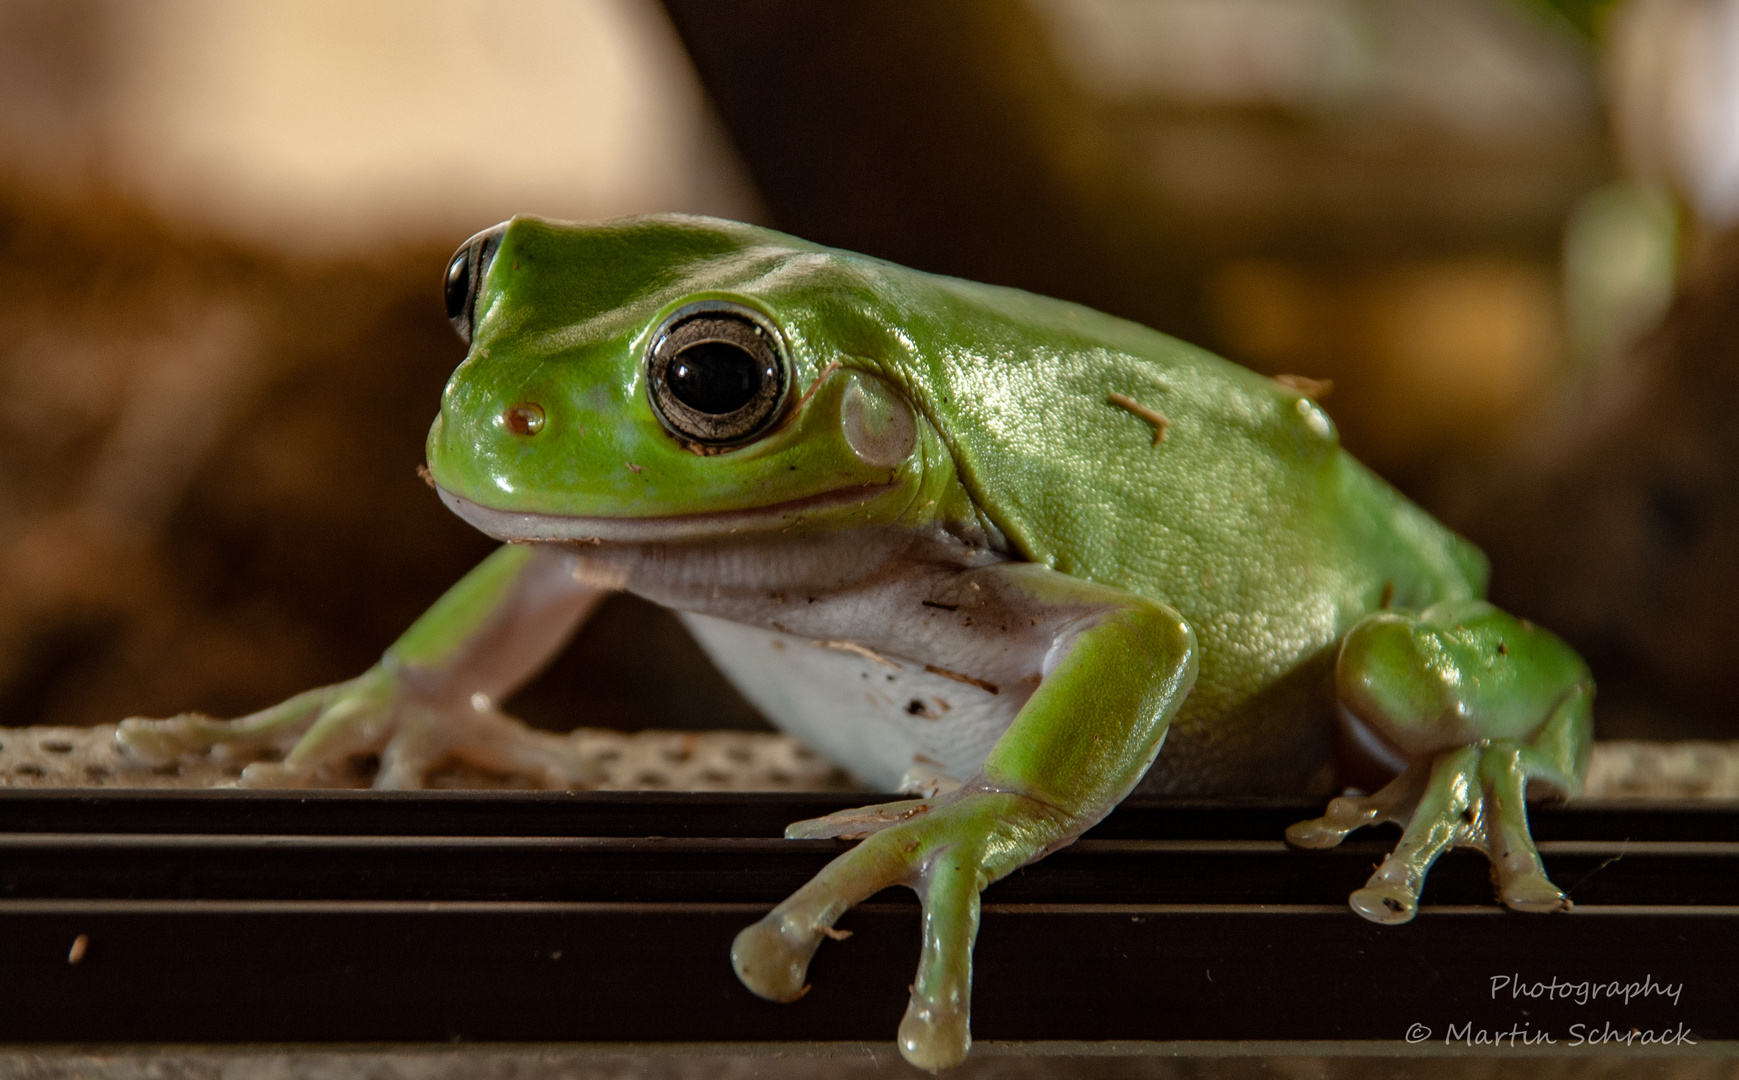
[
  {"x": 715, "y": 374},
  {"x": 465, "y": 276}
]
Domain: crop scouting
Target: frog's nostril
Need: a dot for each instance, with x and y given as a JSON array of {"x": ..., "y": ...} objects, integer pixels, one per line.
[{"x": 526, "y": 418}]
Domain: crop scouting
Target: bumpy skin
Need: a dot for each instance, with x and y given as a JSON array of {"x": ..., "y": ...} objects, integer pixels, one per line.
[{"x": 1124, "y": 539}]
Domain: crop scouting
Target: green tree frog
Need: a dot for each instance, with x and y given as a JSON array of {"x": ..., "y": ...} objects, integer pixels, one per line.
[{"x": 980, "y": 547}]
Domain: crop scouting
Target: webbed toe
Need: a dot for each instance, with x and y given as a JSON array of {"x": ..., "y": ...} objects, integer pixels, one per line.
[
  {"x": 772, "y": 958},
  {"x": 934, "y": 1036}
]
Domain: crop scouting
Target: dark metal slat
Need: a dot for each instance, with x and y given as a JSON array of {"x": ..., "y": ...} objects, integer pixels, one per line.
[
  {"x": 714, "y": 814},
  {"x": 62, "y": 866},
  {"x": 421, "y": 813},
  {"x": 215, "y": 972}
]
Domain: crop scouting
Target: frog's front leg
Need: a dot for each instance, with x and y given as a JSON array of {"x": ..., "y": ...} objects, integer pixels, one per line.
[
  {"x": 1111, "y": 679},
  {"x": 433, "y": 696},
  {"x": 1478, "y": 704}
]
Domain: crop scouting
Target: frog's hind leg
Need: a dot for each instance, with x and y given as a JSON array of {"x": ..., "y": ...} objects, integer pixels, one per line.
[
  {"x": 1477, "y": 797},
  {"x": 1479, "y": 704},
  {"x": 1557, "y": 756}
]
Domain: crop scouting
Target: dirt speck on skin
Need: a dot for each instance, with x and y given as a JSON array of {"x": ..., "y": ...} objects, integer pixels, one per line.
[
  {"x": 1157, "y": 420},
  {"x": 1314, "y": 389},
  {"x": 969, "y": 680}
]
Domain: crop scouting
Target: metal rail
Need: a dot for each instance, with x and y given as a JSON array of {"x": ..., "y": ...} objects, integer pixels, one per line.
[{"x": 362, "y": 917}]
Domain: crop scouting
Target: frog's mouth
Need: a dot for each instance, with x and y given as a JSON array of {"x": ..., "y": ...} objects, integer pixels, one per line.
[{"x": 521, "y": 527}]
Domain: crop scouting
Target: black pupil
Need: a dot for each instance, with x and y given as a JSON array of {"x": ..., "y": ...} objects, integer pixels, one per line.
[
  {"x": 714, "y": 377},
  {"x": 458, "y": 283}
]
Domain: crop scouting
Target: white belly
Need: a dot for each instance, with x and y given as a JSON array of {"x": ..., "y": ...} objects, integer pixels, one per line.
[{"x": 875, "y": 719}]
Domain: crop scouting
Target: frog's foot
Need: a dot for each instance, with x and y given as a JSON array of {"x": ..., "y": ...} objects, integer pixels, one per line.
[
  {"x": 371, "y": 715},
  {"x": 1473, "y": 796},
  {"x": 164, "y": 742},
  {"x": 1395, "y": 802},
  {"x": 414, "y": 739},
  {"x": 857, "y": 823},
  {"x": 926, "y": 780},
  {"x": 1516, "y": 869},
  {"x": 1480, "y": 703},
  {"x": 947, "y": 850},
  {"x": 862, "y": 821}
]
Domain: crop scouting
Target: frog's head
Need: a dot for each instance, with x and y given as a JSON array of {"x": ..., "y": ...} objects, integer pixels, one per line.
[{"x": 668, "y": 377}]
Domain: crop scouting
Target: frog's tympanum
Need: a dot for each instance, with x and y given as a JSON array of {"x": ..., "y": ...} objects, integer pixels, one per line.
[{"x": 981, "y": 547}]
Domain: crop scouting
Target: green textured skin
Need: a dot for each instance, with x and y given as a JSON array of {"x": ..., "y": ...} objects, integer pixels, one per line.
[{"x": 1247, "y": 518}]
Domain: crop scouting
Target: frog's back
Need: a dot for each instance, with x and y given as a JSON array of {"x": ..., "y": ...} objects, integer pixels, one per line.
[{"x": 1246, "y": 516}]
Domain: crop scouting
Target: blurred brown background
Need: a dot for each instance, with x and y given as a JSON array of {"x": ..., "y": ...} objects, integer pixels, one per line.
[{"x": 1497, "y": 225}]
